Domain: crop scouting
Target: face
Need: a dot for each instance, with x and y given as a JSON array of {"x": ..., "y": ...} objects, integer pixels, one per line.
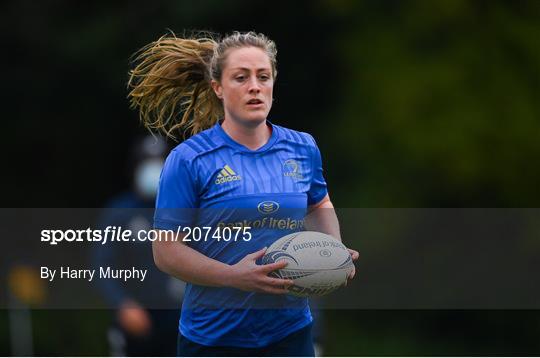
[{"x": 246, "y": 86}]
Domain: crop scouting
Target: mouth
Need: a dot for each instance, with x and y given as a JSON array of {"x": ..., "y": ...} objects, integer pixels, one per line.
[{"x": 255, "y": 102}]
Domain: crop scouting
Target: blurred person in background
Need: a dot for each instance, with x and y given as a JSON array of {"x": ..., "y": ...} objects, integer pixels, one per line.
[
  {"x": 221, "y": 91},
  {"x": 144, "y": 322}
]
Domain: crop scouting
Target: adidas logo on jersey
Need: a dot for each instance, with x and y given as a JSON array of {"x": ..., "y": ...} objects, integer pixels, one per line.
[{"x": 227, "y": 175}]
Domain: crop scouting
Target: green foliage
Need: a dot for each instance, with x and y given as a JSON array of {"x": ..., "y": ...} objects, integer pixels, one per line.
[
  {"x": 431, "y": 333},
  {"x": 440, "y": 103},
  {"x": 71, "y": 332}
]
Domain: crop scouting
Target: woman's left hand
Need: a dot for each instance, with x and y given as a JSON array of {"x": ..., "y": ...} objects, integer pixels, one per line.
[{"x": 354, "y": 255}]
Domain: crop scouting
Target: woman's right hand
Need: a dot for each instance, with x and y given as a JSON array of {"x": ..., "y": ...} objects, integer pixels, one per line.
[{"x": 246, "y": 275}]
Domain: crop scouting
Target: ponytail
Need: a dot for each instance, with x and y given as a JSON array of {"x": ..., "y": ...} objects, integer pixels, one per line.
[{"x": 170, "y": 86}]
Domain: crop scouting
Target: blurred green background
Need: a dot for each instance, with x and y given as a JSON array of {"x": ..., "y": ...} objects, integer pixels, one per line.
[{"x": 413, "y": 104}]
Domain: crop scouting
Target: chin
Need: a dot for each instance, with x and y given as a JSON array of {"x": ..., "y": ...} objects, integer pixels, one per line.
[{"x": 253, "y": 119}]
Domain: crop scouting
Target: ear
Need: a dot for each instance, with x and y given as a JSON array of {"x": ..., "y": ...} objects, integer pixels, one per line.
[{"x": 218, "y": 90}]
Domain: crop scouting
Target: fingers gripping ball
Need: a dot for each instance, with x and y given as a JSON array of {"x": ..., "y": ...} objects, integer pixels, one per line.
[{"x": 317, "y": 263}]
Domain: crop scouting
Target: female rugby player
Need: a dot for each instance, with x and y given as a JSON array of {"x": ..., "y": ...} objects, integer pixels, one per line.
[{"x": 221, "y": 92}]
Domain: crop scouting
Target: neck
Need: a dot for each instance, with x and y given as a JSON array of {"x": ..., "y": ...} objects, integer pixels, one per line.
[{"x": 250, "y": 137}]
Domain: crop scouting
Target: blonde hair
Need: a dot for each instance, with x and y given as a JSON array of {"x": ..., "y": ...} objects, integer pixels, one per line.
[{"x": 170, "y": 84}]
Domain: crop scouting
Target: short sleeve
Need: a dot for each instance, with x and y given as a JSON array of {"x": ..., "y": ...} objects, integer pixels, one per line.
[
  {"x": 177, "y": 195},
  {"x": 318, "y": 189}
]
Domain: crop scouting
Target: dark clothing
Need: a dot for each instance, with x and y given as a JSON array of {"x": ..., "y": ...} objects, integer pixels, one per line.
[{"x": 297, "y": 344}]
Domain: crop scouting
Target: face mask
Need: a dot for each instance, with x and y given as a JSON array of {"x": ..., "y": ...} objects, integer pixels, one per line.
[{"x": 147, "y": 177}]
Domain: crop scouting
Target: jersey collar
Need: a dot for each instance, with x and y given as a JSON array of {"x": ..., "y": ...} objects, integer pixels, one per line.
[{"x": 271, "y": 141}]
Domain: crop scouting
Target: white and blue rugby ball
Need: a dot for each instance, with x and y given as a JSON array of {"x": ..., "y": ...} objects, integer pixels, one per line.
[{"x": 317, "y": 263}]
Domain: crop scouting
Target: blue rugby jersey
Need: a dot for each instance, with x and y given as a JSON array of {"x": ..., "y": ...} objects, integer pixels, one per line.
[{"x": 267, "y": 189}]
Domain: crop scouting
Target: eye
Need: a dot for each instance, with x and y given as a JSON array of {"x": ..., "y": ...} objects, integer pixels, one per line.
[
  {"x": 264, "y": 77},
  {"x": 240, "y": 78}
]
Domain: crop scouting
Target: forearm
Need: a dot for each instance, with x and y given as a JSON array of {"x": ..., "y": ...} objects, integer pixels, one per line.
[
  {"x": 181, "y": 261},
  {"x": 322, "y": 218}
]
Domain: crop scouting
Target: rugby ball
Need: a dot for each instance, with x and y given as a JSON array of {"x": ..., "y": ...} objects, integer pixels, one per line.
[{"x": 317, "y": 263}]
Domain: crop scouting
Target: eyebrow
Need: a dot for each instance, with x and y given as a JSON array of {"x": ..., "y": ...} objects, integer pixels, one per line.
[{"x": 248, "y": 69}]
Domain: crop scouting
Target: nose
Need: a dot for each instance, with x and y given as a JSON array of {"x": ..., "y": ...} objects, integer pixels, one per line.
[{"x": 254, "y": 85}]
